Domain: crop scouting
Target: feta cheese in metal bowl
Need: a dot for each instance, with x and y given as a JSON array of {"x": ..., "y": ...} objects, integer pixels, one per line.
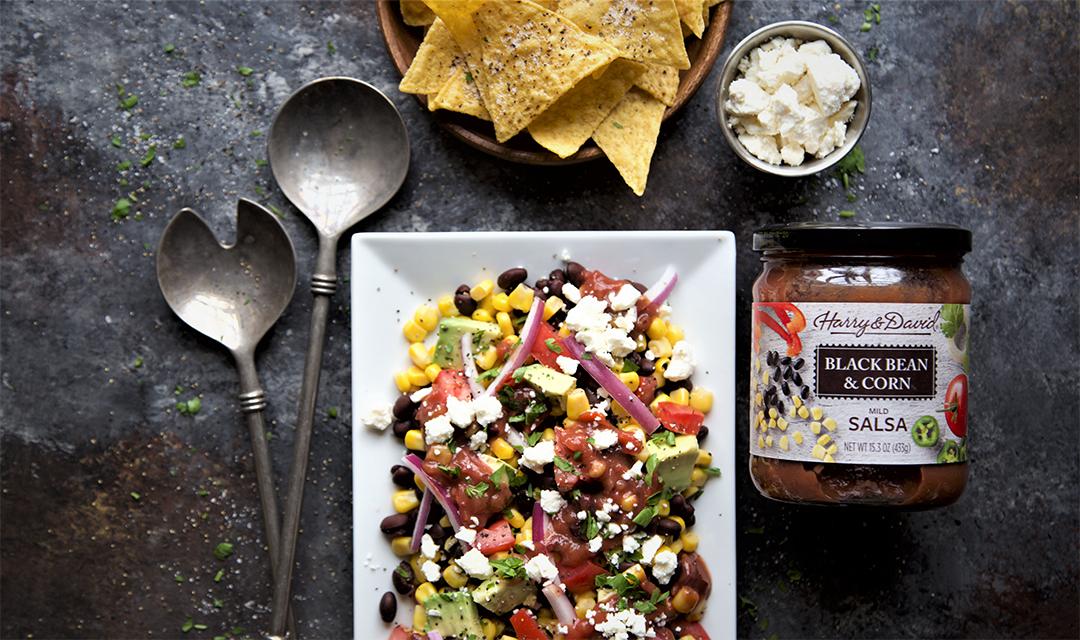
[{"x": 794, "y": 98}]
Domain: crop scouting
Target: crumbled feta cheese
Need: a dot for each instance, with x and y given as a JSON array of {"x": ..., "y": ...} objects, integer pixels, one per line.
[
  {"x": 595, "y": 544},
  {"x": 551, "y": 501},
  {"x": 475, "y": 564},
  {"x": 682, "y": 362},
  {"x": 571, "y": 293},
  {"x": 478, "y": 440},
  {"x": 421, "y": 394},
  {"x": 378, "y": 417},
  {"x": 621, "y": 625},
  {"x": 428, "y": 548},
  {"x": 614, "y": 529},
  {"x": 630, "y": 544},
  {"x": 633, "y": 472},
  {"x": 434, "y": 613},
  {"x": 605, "y": 438},
  {"x": 537, "y": 456},
  {"x": 626, "y": 297},
  {"x": 568, "y": 365},
  {"x": 487, "y": 409},
  {"x": 438, "y": 430},
  {"x": 565, "y": 255},
  {"x": 431, "y": 570},
  {"x": 466, "y": 535},
  {"x": 627, "y": 320},
  {"x": 590, "y": 314},
  {"x": 527, "y": 544},
  {"x": 649, "y": 548},
  {"x": 664, "y": 565},
  {"x": 540, "y": 568},
  {"x": 461, "y": 412}
]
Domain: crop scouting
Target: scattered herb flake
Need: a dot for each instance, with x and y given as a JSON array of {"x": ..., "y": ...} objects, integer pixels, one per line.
[
  {"x": 245, "y": 71},
  {"x": 277, "y": 212},
  {"x": 138, "y": 362},
  {"x": 330, "y": 48},
  {"x": 121, "y": 209},
  {"x": 189, "y": 407},
  {"x": 872, "y": 54},
  {"x": 553, "y": 346},
  {"x": 136, "y": 496},
  {"x": 179, "y": 143},
  {"x": 130, "y": 101},
  {"x": 477, "y": 490},
  {"x": 259, "y": 162},
  {"x": 256, "y": 133},
  {"x": 169, "y": 48},
  {"x": 332, "y": 413},
  {"x": 116, "y": 142},
  {"x": 223, "y": 550},
  {"x": 846, "y": 213},
  {"x": 564, "y": 465},
  {"x": 123, "y": 166},
  {"x": 650, "y": 468},
  {"x": 188, "y": 625},
  {"x": 148, "y": 159},
  {"x": 191, "y": 79},
  {"x": 219, "y": 575}
]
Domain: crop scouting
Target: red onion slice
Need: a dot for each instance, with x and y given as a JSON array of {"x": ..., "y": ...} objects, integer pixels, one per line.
[
  {"x": 528, "y": 336},
  {"x": 615, "y": 387},
  {"x": 469, "y": 365},
  {"x": 421, "y": 520},
  {"x": 660, "y": 291},
  {"x": 560, "y": 604},
  {"x": 434, "y": 635},
  {"x": 540, "y": 525},
  {"x": 416, "y": 465}
]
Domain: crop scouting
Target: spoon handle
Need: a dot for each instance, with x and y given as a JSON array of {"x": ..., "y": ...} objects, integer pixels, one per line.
[
  {"x": 252, "y": 403},
  {"x": 323, "y": 285}
]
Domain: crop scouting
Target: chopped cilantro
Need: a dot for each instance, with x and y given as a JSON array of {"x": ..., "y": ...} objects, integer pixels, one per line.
[
  {"x": 509, "y": 567},
  {"x": 564, "y": 465},
  {"x": 191, "y": 79},
  {"x": 130, "y": 101},
  {"x": 629, "y": 366},
  {"x": 477, "y": 490},
  {"x": 650, "y": 468},
  {"x": 553, "y": 346},
  {"x": 645, "y": 516},
  {"x": 188, "y": 625},
  {"x": 332, "y": 413},
  {"x": 499, "y": 475},
  {"x": 616, "y": 125},
  {"x": 650, "y": 605},
  {"x": 533, "y": 438},
  {"x": 713, "y": 472},
  {"x": 190, "y": 407},
  {"x": 124, "y": 165},
  {"x": 664, "y": 438},
  {"x": 619, "y": 583},
  {"x": 177, "y": 578},
  {"x": 592, "y": 527},
  {"x": 223, "y": 550},
  {"x": 853, "y": 162},
  {"x": 245, "y": 71},
  {"x": 490, "y": 374},
  {"x": 872, "y": 54},
  {"x": 256, "y": 133},
  {"x": 138, "y": 362},
  {"x": 218, "y": 603},
  {"x": 259, "y": 162},
  {"x": 148, "y": 159},
  {"x": 453, "y": 472}
]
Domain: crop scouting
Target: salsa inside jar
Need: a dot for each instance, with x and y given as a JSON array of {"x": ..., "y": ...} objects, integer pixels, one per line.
[{"x": 859, "y": 371}]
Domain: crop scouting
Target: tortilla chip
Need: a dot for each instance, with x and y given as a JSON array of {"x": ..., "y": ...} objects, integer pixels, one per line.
[
  {"x": 416, "y": 13},
  {"x": 628, "y": 136},
  {"x": 460, "y": 94},
  {"x": 643, "y": 30},
  {"x": 568, "y": 123},
  {"x": 661, "y": 81},
  {"x": 435, "y": 62},
  {"x": 690, "y": 14}
]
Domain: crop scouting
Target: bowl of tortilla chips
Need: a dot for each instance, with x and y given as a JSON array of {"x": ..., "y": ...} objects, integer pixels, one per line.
[{"x": 551, "y": 82}]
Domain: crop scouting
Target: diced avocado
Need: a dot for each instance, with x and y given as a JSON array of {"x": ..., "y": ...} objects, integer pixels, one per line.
[
  {"x": 549, "y": 381},
  {"x": 674, "y": 464},
  {"x": 500, "y": 595},
  {"x": 453, "y": 615},
  {"x": 450, "y": 330}
]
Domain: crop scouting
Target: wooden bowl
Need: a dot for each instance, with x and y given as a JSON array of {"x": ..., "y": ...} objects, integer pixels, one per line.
[{"x": 402, "y": 41}]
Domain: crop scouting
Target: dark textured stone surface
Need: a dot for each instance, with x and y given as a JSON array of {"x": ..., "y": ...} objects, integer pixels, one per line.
[{"x": 975, "y": 122}]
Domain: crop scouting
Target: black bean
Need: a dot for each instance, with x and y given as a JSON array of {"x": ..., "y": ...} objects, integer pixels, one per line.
[
  {"x": 798, "y": 364},
  {"x": 555, "y": 287},
  {"x": 402, "y": 475},
  {"x": 704, "y": 433},
  {"x": 777, "y": 374},
  {"x": 401, "y": 427},
  {"x": 770, "y": 358},
  {"x": 787, "y": 373},
  {"x": 464, "y": 288},
  {"x": 678, "y": 502},
  {"x": 640, "y": 287},
  {"x": 780, "y": 406},
  {"x": 575, "y": 273},
  {"x": 557, "y": 274},
  {"x": 672, "y": 385},
  {"x": 771, "y": 391},
  {"x": 437, "y": 533},
  {"x": 511, "y": 278},
  {"x": 403, "y": 579},
  {"x": 669, "y": 527},
  {"x": 464, "y": 303},
  {"x": 387, "y": 607},
  {"x": 404, "y": 407},
  {"x": 690, "y": 518},
  {"x": 541, "y": 284},
  {"x": 805, "y": 393},
  {"x": 785, "y": 361},
  {"x": 394, "y": 524},
  {"x": 785, "y": 388},
  {"x": 797, "y": 379}
]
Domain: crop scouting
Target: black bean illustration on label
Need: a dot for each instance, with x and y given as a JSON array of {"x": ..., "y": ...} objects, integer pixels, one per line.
[{"x": 876, "y": 372}]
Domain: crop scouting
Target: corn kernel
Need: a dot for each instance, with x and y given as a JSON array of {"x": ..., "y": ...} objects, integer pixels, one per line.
[
  {"x": 781, "y": 424},
  {"x": 701, "y": 399},
  {"x": 549, "y": 435},
  {"x": 675, "y": 546},
  {"x": 628, "y": 503},
  {"x": 455, "y": 577},
  {"x": 817, "y": 413},
  {"x": 563, "y": 331},
  {"x": 761, "y": 441},
  {"x": 482, "y": 290},
  {"x": 521, "y": 298},
  {"x": 488, "y": 304},
  {"x": 832, "y": 448},
  {"x": 768, "y": 441},
  {"x": 425, "y": 591},
  {"x": 515, "y": 519},
  {"x": 501, "y": 302},
  {"x": 772, "y": 423},
  {"x": 803, "y": 412},
  {"x": 818, "y": 452},
  {"x": 414, "y": 440},
  {"x": 661, "y": 348},
  {"x": 797, "y": 401},
  {"x": 505, "y": 325},
  {"x": 657, "y": 329},
  {"x": 680, "y": 396},
  {"x": 675, "y": 333},
  {"x": 432, "y": 371},
  {"x": 577, "y": 403},
  {"x": 405, "y": 500},
  {"x": 631, "y": 379},
  {"x": 815, "y": 428},
  {"x": 759, "y": 399},
  {"x": 660, "y": 367},
  {"x": 447, "y": 308},
  {"x": 553, "y": 305},
  {"x": 486, "y": 360},
  {"x": 444, "y": 522},
  {"x": 417, "y": 377},
  {"x": 502, "y": 449},
  {"x": 685, "y": 600},
  {"x": 482, "y": 315},
  {"x": 663, "y": 508},
  {"x": 401, "y": 381},
  {"x": 829, "y": 424},
  {"x": 690, "y": 541},
  {"x": 704, "y": 458},
  {"x": 427, "y": 317},
  {"x": 641, "y": 342},
  {"x": 489, "y": 628},
  {"x": 663, "y": 397},
  {"x": 791, "y": 412},
  {"x": 637, "y": 572},
  {"x": 419, "y": 484},
  {"x": 419, "y": 619},
  {"x": 584, "y": 604},
  {"x": 419, "y": 355},
  {"x": 824, "y": 439},
  {"x": 797, "y": 437},
  {"x": 783, "y": 444},
  {"x": 698, "y": 478},
  {"x": 773, "y": 413},
  {"x": 828, "y": 458},
  {"x": 401, "y": 546},
  {"x": 691, "y": 492},
  {"x": 413, "y": 332}
]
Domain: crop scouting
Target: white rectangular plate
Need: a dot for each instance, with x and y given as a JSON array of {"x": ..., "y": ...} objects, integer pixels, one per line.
[{"x": 393, "y": 273}]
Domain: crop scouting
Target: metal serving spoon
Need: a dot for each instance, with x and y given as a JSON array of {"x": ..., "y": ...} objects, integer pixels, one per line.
[
  {"x": 339, "y": 151},
  {"x": 233, "y": 294}
]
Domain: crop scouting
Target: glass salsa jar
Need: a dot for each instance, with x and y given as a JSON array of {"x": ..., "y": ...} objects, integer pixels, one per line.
[{"x": 859, "y": 371}]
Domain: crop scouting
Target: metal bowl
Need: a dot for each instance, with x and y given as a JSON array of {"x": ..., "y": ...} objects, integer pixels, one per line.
[{"x": 807, "y": 32}]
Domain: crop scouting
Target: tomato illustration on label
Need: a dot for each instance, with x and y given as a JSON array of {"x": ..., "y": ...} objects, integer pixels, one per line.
[
  {"x": 792, "y": 321},
  {"x": 956, "y": 405}
]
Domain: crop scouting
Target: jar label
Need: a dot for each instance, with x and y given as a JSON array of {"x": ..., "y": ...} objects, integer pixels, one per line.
[{"x": 859, "y": 383}]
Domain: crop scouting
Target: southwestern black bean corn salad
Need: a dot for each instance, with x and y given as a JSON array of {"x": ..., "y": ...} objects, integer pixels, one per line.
[{"x": 553, "y": 456}]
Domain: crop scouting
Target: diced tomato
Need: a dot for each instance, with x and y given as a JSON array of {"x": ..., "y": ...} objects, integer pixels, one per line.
[
  {"x": 504, "y": 347},
  {"x": 540, "y": 350},
  {"x": 646, "y": 391},
  {"x": 581, "y": 578},
  {"x": 526, "y": 627},
  {"x": 498, "y": 537},
  {"x": 680, "y": 418},
  {"x": 450, "y": 382},
  {"x": 629, "y": 442},
  {"x": 401, "y": 633},
  {"x": 692, "y": 629},
  {"x": 581, "y": 630}
]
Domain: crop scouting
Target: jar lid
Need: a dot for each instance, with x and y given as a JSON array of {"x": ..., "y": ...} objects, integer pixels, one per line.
[{"x": 876, "y": 238}]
